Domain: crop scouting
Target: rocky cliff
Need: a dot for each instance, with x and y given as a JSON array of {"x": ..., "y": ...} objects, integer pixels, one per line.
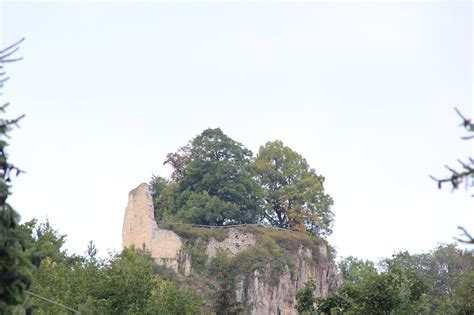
[{"x": 262, "y": 267}]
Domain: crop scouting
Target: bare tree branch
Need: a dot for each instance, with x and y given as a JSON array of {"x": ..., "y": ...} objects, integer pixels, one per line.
[
  {"x": 466, "y": 121},
  {"x": 14, "y": 45},
  {"x": 468, "y": 237},
  {"x": 459, "y": 176},
  {"x": 8, "y": 54}
]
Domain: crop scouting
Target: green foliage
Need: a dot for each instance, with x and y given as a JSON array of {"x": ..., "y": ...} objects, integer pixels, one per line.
[
  {"x": 463, "y": 292},
  {"x": 168, "y": 298},
  {"x": 305, "y": 300},
  {"x": 266, "y": 256},
  {"x": 202, "y": 208},
  {"x": 165, "y": 195},
  {"x": 355, "y": 270},
  {"x": 42, "y": 241},
  {"x": 130, "y": 282},
  {"x": 441, "y": 269},
  {"x": 289, "y": 240},
  {"x": 389, "y": 292},
  {"x": 197, "y": 250},
  {"x": 293, "y": 193},
  {"x": 216, "y": 182},
  {"x": 337, "y": 302},
  {"x": 219, "y": 167},
  {"x": 332, "y": 252},
  {"x": 15, "y": 266},
  {"x": 125, "y": 283},
  {"x": 438, "y": 282},
  {"x": 271, "y": 256},
  {"x": 356, "y": 274},
  {"x": 222, "y": 269},
  {"x": 211, "y": 183}
]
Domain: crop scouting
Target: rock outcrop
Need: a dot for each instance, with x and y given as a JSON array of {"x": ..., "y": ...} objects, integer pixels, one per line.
[
  {"x": 235, "y": 242},
  {"x": 254, "y": 290},
  {"x": 264, "y": 297}
]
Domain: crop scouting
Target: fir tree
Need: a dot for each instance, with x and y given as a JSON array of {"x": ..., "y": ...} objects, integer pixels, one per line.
[{"x": 15, "y": 266}]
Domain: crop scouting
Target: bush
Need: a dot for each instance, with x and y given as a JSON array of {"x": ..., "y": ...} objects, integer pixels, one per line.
[{"x": 266, "y": 255}]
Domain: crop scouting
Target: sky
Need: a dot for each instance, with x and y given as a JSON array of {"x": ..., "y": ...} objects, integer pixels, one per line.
[{"x": 364, "y": 91}]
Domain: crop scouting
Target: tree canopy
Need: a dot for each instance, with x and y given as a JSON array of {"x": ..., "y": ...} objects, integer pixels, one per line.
[
  {"x": 123, "y": 283},
  {"x": 438, "y": 282},
  {"x": 293, "y": 192},
  {"x": 218, "y": 177},
  {"x": 217, "y": 181},
  {"x": 211, "y": 183}
]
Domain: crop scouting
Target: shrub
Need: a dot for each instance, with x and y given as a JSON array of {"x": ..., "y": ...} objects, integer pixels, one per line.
[{"x": 266, "y": 255}]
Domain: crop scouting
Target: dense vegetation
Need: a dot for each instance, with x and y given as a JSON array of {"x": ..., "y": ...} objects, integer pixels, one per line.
[
  {"x": 438, "y": 282},
  {"x": 128, "y": 282},
  {"x": 217, "y": 181},
  {"x": 15, "y": 264}
]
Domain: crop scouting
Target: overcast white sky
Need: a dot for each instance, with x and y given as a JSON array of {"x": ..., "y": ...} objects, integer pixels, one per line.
[{"x": 364, "y": 91}]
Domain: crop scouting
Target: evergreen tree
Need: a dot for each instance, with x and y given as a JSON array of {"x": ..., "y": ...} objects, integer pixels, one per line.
[{"x": 15, "y": 266}]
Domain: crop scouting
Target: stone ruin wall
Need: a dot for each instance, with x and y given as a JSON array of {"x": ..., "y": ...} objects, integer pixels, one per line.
[{"x": 140, "y": 230}]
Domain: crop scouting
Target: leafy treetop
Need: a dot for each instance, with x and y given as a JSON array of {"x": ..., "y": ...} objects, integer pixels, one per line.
[
  {"x": 293, "y": 192},
  {"x": 211, "y": 183},
  {"x": 216, "y": 181}
]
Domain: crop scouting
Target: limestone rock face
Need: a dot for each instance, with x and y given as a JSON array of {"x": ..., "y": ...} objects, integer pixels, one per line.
[
  {"x": 262, "y": 297},
  {"x": 265, "y": 298},
  {"x": 140, "y": 229},
  {"x": 258, "y": 295},
  {"x": 235, "y": 242}
]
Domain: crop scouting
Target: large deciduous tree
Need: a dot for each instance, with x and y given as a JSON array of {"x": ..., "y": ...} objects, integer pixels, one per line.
[
  {"x": 438, "y": 282},
  {"x": 442, "y": 269},
  {"x": 366, "y": 291},
  {"x": 293, "y": 192},
  {"x": 356, "y": 270},
  {"x": 211, "y": 183},
  {"x": 178, "y": 161}
]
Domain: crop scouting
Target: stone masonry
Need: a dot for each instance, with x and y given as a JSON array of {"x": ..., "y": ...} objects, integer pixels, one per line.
[{"x": 141, "y": 231}]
